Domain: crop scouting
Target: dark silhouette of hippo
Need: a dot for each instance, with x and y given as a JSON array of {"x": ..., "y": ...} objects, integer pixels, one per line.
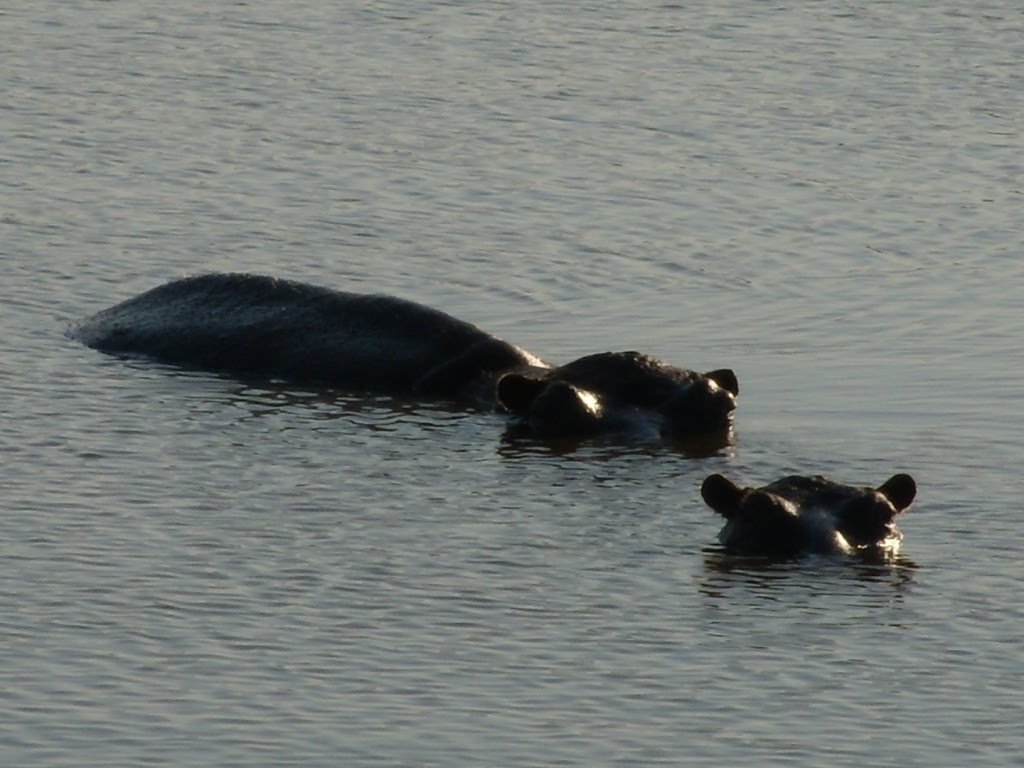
[
  {"x": 251, "y": 325},
  {"x": 797, "y": 515}
]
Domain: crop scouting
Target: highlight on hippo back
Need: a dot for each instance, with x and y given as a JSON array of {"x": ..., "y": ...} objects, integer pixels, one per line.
[
  {"x": 801, "y": 515},
  {"x": 252, "y": 325}
]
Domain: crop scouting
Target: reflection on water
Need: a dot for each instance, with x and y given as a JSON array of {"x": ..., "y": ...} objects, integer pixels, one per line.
[
  {"x": 260, "y": 397},
  {"x": 517, "y": 441},
  {"x": 759, "y": 572},
  {"x": 269, "y": 396}
]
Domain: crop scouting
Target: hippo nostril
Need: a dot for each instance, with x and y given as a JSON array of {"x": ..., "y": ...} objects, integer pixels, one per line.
[{"x": 701, "y": 406}]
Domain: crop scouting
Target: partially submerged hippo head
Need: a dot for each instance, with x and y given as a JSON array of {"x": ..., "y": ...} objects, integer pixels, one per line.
[
  {"x": 619, "y": 392},
  {"x": 799, "y": 514}
]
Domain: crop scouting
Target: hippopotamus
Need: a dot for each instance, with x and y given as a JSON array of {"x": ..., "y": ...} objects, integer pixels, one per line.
[
  {"x": 253, "y": 325},
  {"x": 799, "y": 514}
]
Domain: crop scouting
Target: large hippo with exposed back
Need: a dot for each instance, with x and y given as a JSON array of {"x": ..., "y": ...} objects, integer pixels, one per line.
[{"x": 251, "y": 325}]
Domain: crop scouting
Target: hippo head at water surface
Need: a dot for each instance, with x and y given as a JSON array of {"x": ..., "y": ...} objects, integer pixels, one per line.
[
  {"x": 798, "y": 515},
  {"x": 619, "y": 392}
]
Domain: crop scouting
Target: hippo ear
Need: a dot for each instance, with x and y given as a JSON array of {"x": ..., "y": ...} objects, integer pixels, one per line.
[
  {"x": 722, "y": 495},
  {"x": 900, "y": 490},
  {"x": 516, "y": 391},
  {"x": 726, "y": 379}
]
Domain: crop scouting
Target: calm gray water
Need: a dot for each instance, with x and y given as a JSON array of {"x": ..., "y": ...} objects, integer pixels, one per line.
[{"x": 826, "y": 197}]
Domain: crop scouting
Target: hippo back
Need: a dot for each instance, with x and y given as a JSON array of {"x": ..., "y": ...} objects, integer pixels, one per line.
[{"x": 250, "y": 324}]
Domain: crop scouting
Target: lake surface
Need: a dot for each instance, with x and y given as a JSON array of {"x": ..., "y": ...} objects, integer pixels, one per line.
[{"x": 825, "y": 197}]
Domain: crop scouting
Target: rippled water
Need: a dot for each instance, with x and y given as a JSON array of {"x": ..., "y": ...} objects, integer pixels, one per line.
[{"x": 824, "y": 197}]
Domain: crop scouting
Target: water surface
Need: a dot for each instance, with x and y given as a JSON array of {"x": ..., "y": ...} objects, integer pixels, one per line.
[{"x": 824, "y": 198}]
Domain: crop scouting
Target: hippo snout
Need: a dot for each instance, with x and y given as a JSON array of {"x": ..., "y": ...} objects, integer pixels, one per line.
[{"x": 702, "y": 406}]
